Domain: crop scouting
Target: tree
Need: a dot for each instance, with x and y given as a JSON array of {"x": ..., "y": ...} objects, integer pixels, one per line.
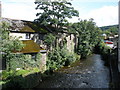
[
  {"x": 54, "y": 13},
  {"x": 89, "y": 36},
  {"x": 7, "y": 43},
  {"x": 49, "y": 40},
  {"x": 113, "y": 30}
]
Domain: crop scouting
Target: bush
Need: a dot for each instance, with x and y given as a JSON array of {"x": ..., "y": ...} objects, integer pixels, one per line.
[
  {"x": 84, "y": 49},
  {"x": 23, "y": 61},
  {"x": 60, "y": 57},
  {"x": 49, "y": 39}
]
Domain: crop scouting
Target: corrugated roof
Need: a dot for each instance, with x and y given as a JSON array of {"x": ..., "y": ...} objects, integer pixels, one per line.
[{"x": 30, "y": 47}]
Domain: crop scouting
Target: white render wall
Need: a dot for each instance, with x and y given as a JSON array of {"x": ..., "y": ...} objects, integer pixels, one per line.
[{"x": 22, "y": 35}]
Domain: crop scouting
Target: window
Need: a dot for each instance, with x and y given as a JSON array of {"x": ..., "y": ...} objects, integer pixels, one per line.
[{"x": 28, "y": 36}]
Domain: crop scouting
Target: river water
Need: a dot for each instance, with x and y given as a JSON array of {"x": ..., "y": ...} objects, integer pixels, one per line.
[{"x": 88, "y": 73}]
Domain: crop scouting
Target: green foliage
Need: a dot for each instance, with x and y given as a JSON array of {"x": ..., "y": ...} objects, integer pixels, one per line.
[
  {"x": 9, "y": 44},
  {"x": 55, "y": 13},
  {"x": 104, "y": 50},
  {"x": 88, "y": 36},
  {"x": 110, "y": 30},
  {"x": 20, "y": 78},
  {"x": 49, "y": 39},
  {"x": 60, "y": 57},
  {"x": 23, "y": 61}
]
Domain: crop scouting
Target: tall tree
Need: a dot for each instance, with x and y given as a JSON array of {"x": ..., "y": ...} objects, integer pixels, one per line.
[
  {"x": 89, "y": 36},
  {"x": 54, "y": 13}
]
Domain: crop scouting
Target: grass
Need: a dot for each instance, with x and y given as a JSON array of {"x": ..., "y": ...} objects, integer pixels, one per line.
[{"x": 6, "y": 75}]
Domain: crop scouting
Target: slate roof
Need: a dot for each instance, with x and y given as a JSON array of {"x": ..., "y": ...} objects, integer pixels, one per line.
[{"x": 24, "y": 26}]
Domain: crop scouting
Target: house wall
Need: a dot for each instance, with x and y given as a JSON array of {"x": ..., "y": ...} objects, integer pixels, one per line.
[
  {"x": 71, "y": 39},
  {"x": 70, "y": 43},
  {"x": 35, "y": 37},
  {"x": 22, "y": 35}
]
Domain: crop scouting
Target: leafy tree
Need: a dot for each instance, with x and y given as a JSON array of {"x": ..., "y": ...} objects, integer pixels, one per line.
[
  {"x": 49, "y": 40},
  {"x": 7, "y": 43},
  {"x": 89, "y": 36},
  {"x": 54, "y": 13},
  {"x": 110, "y": 30},
  {"x": 113, "y": 30}
]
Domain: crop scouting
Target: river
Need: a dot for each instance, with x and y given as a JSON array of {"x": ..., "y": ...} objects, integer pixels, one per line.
[{"x": 87, "y": 73}]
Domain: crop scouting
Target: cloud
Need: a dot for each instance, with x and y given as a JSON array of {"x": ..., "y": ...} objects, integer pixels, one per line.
[
  {"x": 17, "y": 1},
  {"x": 19, "y": 10},
  {"x": 25, "y": 10},
  {"x": 95, "y": 0},
  {"x": 107, "y": 15}
]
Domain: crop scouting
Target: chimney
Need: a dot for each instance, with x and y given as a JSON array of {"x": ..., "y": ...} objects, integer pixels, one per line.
[{"x": 0, "y": 10}]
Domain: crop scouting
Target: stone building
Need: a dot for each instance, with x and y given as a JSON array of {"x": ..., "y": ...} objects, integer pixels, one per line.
[{"x": 31, "y": 35}]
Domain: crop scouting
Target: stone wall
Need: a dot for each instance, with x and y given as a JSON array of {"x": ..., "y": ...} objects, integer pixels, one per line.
[
  {"x": 71, "y": 41},
  {"x": 43, "y": 62}
]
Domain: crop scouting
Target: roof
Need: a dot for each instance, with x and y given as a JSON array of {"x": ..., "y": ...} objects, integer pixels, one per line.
[
  {"x": 30, "y": 47},
  {"x": 23, "y": 26}
]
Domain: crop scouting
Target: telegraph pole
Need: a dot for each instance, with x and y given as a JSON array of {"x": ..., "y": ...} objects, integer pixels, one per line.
[{"x": 119, "y": 38}]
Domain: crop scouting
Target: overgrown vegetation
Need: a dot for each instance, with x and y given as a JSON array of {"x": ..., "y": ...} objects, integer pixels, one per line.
[
  {"x": 89, "y": 35},
  {"x": 20, "y": 79},
  {"x": 110, "y": 30},
  {"x": 60, "y": 57},
  {"x": 49, "y": 40},
  {"x": 24, "y": 63},
  {"x": 54, "y": 14}
]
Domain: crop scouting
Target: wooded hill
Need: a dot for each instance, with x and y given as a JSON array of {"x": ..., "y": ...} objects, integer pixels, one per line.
[{"x": 108, "y": 27}]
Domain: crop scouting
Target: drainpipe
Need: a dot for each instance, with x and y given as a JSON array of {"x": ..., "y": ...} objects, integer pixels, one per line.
[{"x": 119, "y": 38}]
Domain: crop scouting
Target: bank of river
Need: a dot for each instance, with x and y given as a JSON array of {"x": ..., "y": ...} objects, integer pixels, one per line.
[{"x": 88, "y": 73}]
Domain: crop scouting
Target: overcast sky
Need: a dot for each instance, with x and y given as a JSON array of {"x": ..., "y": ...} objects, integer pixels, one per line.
[{"x": 104, "y": 12}]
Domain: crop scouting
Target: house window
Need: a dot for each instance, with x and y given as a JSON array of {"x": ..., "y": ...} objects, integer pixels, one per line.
[{"x": 28, "y": 36}]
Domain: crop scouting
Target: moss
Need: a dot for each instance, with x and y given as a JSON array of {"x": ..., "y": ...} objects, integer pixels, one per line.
[
  {"x": 32, "y": 27},
  {"x": 27, "y": 29},
  {"x": 30, "y": 47}
]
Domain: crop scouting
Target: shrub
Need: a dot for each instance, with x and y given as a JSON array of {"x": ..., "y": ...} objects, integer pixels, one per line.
[
  {"x": 60, "y": 57},
  {"x": 23, "y": 61},
  {"x": 84, "y": 49}
]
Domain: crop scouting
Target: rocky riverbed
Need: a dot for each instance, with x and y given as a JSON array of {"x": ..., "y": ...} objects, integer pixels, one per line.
[{"x": 87, "y": 73}]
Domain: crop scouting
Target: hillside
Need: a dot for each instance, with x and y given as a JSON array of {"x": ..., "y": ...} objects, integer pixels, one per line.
[{"x": 107, "y": 27}]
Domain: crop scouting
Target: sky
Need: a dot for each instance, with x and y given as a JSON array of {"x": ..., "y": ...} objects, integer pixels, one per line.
[{"x": 104, "y": 12}]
